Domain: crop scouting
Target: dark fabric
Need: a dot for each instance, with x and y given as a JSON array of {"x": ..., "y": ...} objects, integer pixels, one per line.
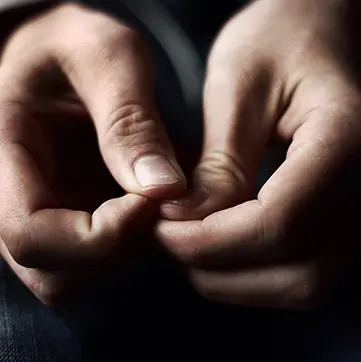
[
  {"x": 29, "y": 332},
  {"x": 155, "y": 315}
]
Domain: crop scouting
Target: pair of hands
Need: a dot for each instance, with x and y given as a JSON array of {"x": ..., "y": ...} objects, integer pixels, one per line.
[{"x": 280, "y": 72}]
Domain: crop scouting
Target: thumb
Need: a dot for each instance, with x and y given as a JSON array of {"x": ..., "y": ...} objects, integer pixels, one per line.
[
  {"x": 236, "y": 131},
  {"x": 113, "y": 76}
]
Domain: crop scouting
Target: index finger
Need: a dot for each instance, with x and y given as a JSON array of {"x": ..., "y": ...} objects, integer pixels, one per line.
[
  {"x": 287, "y": 207},
  {"x": 35, "y": 229}
]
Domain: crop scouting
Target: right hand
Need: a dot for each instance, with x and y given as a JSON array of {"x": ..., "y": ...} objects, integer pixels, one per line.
[{"x": 58, "y": 72}]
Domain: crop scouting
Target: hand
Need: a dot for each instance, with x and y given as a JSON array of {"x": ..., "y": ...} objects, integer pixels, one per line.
[
  {"x": 61, "y": 209},
  {"x": 281, "y": 72}
]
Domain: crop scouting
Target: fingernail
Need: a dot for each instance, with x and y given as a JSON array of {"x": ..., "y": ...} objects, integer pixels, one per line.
[
  {"x": 155, "y": 170},
  {"x": 191, "y": 198}
]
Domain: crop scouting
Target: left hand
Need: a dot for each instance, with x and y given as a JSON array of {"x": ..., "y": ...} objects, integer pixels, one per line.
[
  {"x": 78, "y": 126},
  {"x": 280, "y": 70}
]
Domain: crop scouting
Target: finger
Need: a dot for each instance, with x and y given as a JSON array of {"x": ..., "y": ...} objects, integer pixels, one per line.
[
  {"x": 293, "y": 210},
  {"x": 35, "y": 230},
  {"x": 115, "y": 79},
  {"x": 49, "y": 288},
  {"x": 287, "y": 286},
  {"x": 239, "y": 97},
  {"x": 111, "y": 70},
  {"x": 54, "y": 287},
  {"x": 40, "y": 234}
]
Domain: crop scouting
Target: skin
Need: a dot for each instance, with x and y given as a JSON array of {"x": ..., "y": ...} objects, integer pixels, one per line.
[
  {"x": 76, "y": 115},
  {"x": 281, "y": 74}
]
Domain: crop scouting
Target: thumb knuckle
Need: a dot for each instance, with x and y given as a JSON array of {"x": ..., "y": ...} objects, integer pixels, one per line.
[{"x": 130, "y": 126}]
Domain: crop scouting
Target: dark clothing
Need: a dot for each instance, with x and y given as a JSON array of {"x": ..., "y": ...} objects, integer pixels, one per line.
[{"x": 156, "y": 316}]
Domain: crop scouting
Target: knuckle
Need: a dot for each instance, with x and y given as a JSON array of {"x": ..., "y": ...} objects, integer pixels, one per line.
[
  {"x": 130, "y": 125},
  {"x": 102, "y": 40},
  {"x": 95, "y": 23},
  {"x": 108, "y": 41},
  {"x": 226, "y": 168},
  {"x": 128, "y": 37},
  {"x": 118, "y": 35}
]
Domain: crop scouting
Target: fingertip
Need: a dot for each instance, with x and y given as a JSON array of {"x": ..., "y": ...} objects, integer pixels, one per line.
[
  {"x": 135, "y": 199},
  {"x": 190, "y": 206},
  {"x": 137, "y": 204},
  {"x": 116, "y": 215}
]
